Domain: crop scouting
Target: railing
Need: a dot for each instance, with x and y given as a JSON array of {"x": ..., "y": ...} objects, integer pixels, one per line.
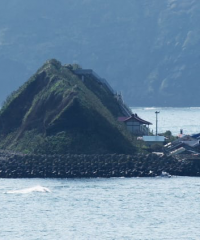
[
  {"x": 127, "y": 112},
  {"x": 95, "y": 75},
  {"x": 83, "y": 72}
]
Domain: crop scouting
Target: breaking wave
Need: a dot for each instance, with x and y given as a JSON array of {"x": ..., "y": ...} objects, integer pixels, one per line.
[{"x": 30, "y": 190}]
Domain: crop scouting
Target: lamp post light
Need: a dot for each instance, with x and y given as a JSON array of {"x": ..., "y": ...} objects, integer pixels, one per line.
[{"x": 157, "y": 122}]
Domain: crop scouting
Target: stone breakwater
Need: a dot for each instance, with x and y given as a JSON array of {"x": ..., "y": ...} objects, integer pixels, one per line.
[{"x": 14, "y": 165}]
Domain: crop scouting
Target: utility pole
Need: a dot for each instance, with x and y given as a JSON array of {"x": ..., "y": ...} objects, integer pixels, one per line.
[{"x": 157, "y": 122}]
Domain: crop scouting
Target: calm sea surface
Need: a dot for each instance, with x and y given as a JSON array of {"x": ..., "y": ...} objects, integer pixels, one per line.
[
  {"x": 116, "y": 208},
  {"x": 172, "y": 119}
]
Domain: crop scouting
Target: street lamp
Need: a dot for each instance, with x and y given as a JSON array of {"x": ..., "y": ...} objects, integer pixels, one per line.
[{"x": 157, "y": 122}]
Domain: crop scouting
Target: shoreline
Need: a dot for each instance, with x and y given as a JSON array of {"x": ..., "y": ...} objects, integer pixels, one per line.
[{"x": 16, "y": 165}]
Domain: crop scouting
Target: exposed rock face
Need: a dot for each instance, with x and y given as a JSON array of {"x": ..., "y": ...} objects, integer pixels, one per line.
[{"x": 55, "y": 112}]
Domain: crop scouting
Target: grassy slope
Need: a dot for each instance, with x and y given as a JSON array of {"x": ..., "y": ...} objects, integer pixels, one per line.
[{"x": 55, "y": 112}]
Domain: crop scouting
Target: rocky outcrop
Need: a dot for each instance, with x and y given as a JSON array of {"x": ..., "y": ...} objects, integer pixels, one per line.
[
  {"x": 54, "y": 112},
  {"x": 14, "y": 165}
]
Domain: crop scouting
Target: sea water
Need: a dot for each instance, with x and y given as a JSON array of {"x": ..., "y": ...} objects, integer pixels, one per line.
[
  {"x": 172, "y": 119},
  {"x": 115, "y": 208}
]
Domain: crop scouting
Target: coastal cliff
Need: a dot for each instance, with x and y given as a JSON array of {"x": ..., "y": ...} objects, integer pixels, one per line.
[{"x": 56, "y": 112}]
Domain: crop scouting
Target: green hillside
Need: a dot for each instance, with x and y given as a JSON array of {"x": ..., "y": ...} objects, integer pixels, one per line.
[
  {"x": 148, "y": 49},
  {"x": 55, "y": 112}
]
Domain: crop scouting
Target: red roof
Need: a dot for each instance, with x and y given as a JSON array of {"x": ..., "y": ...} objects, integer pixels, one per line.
[
  {"x": 121, "y": 119},
  {"x": 136, "y": 118}
]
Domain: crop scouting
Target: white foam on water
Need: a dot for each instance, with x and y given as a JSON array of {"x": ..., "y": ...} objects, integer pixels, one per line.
[
  {"x": 31, "y": 189},
  {"x": 150, "y": 108}
]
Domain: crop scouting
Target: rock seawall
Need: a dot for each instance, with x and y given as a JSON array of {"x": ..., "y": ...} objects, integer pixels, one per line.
[{"x": 13, "y": 165}]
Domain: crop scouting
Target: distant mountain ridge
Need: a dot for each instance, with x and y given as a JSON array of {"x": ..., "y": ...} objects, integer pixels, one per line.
[{"x": 149, "y": 50}]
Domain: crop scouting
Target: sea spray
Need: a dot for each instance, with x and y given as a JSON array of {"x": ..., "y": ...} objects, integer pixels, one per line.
[{"x": 31, "y": 189}]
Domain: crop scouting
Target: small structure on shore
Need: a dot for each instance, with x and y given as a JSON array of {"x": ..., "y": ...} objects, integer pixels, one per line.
[
  {"x": 184, "y": 144},
  {"x": 136, "y": 125},
  {"x": 150, "y": 140}
]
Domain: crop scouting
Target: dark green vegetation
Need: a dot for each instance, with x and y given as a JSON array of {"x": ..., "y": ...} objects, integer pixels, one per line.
[
  {"x": 148, "y": 49},
  {"x": 55, "y": 112},
  {"x": 169, "y": 136}
]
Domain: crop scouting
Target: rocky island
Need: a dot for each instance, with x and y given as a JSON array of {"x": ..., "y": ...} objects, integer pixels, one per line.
[
  {"x": 56, "y": 112},
  {"x": 63, "y": 123}
]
